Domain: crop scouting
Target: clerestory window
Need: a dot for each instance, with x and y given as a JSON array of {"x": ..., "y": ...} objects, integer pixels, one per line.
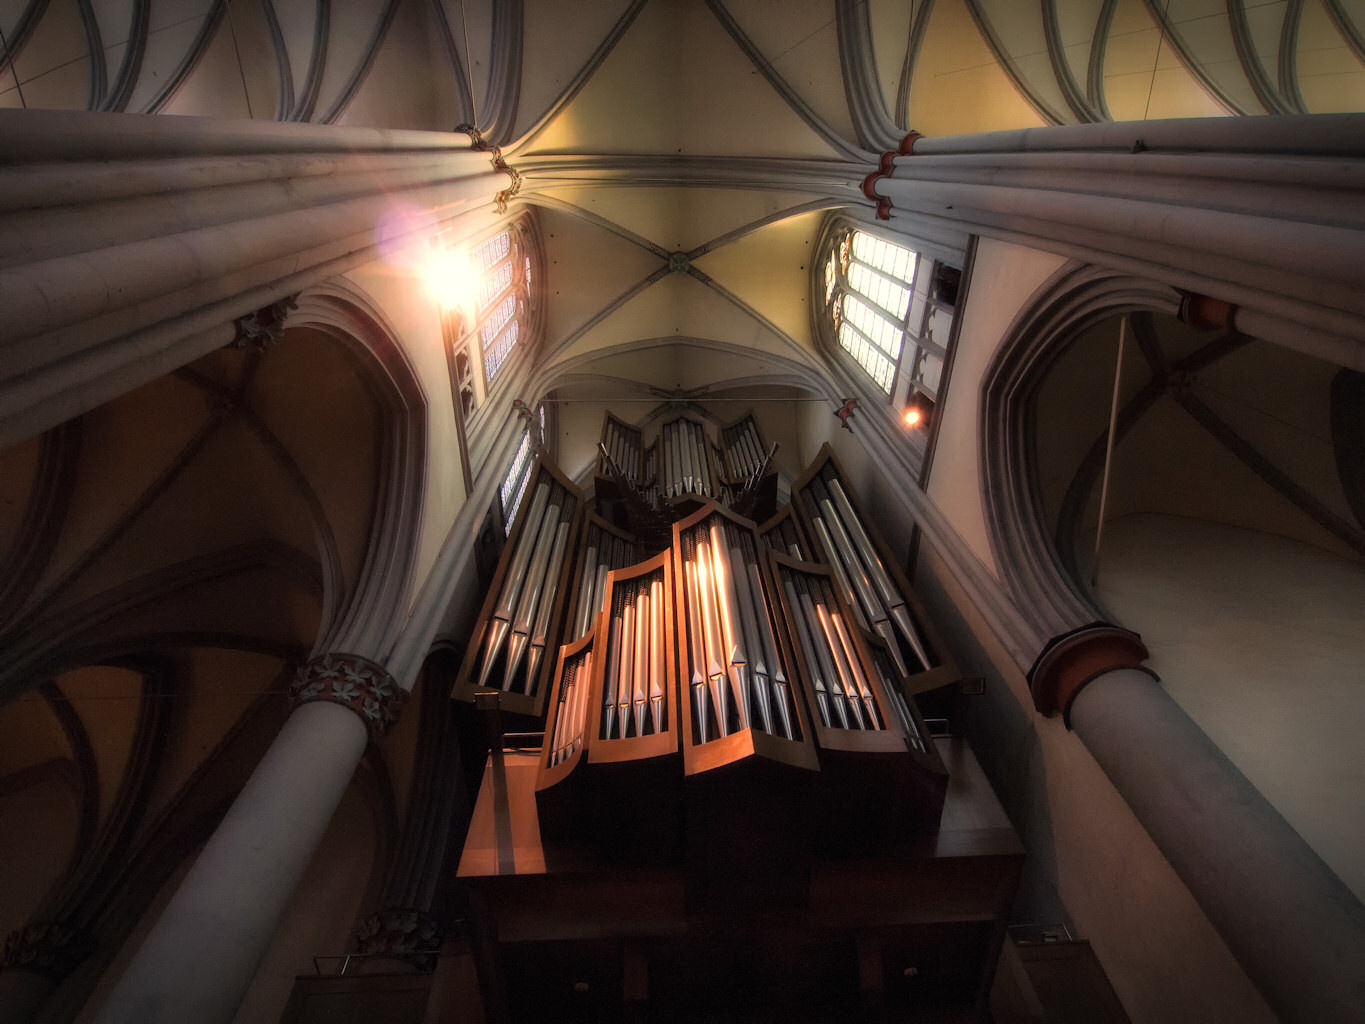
[{"x": 891, "y": 309}]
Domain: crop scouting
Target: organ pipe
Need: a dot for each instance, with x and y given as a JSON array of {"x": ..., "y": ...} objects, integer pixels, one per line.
[{"x": 797, "y": 642}]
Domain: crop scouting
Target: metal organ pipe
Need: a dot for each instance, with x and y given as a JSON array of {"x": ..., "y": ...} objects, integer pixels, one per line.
[
  {"x": 501, "y": 622},
  {"x": 548, "y": 591},
  {"x": 530, "y": 591},
  {"x": 696, "y": 647}
]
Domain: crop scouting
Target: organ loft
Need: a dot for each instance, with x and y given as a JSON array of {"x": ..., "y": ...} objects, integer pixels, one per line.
[{"x": 726, "y": 789}]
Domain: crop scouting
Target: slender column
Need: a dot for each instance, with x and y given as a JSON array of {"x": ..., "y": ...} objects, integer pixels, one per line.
[
  {"x": 129, "y": 243},
  {"x": 200, "y": 956},
  {"x": 1251, "y": 213},
  {"x": 1296, "y": 929}
]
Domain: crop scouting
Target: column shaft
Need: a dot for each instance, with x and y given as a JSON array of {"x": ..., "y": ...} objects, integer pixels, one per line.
[
  {"x": 199, "y": 958},
  {"x": 1295, "y": 928},
  {"x": 128, "y": 242}
]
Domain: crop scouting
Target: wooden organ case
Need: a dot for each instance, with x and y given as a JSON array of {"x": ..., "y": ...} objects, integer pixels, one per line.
[{"x": 733, "y": 766}]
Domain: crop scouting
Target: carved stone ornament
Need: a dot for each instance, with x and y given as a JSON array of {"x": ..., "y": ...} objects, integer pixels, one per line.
[
  {"x": 50, "y": 948},
  {"x": 402, "y": 933},
  {"x": 478, "y": 142},
  {"x": 354, "y": 682},
  {"x": 262, "y": 328}
]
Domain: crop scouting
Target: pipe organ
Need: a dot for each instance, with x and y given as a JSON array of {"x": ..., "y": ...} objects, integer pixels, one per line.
[
  {"x": 733, "y": 773},
  {"x": 686, "y": 464},
  {"x": 522, "y": 616},
  {"x": 667, "y": 628}
]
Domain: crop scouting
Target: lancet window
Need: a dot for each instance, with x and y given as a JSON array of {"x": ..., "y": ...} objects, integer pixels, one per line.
[{"x": 482, "y": 339}]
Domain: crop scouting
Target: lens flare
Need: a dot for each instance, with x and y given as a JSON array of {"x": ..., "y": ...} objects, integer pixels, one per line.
[
  {"x": 450, "y": 278},
  {"x": 913, "y": 417}
]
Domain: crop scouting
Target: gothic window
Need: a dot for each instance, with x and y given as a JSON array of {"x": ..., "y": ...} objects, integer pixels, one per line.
[
  {"x": 482, "y": 338},
  {"x": 499, "y": 302},
  {"x": 891, "y": 309}
]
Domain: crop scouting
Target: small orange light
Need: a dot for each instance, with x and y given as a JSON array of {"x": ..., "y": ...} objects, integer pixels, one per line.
[{"x": 913, "y": 417}]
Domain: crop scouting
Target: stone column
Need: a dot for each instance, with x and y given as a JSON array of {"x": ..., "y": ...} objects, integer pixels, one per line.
[
  {"x": 129, "y": 243},
  {"x": 1248, "y": 211},
  {"x": 1295, "y": 928},
  {"x": 202, "y": 953}
]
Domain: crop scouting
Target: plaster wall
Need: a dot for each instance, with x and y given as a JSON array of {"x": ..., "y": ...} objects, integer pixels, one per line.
[
  {"x": 1004, "y": 277},
  {"x": 415, "y": 320}
]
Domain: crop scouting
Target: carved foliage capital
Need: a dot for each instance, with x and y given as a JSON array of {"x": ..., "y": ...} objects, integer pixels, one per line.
[
  {"x": 362, "y": 685},
  {"x": 403, "y": 933},
  {"x": 261, "y": 328},
  {"x": 49, "y": 948}
]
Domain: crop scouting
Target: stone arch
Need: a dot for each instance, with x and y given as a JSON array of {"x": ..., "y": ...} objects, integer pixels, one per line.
[
  {"x": 1077, "y": 297},
  {"x": 345, "y": 314}
]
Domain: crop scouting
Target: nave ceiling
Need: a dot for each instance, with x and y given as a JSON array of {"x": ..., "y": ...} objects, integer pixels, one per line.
[{"x": 680, "y": 157}]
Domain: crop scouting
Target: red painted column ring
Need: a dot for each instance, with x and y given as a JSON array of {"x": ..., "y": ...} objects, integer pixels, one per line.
[{"x": 1070, "y": 661}]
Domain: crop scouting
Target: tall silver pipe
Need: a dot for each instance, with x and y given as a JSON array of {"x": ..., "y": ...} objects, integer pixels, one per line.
[
  {"x": 558, "y": 742},
  {"x": 640, "y": 643},
  {"x": 696, "y": 647},
  {"x": 656, "y": 654},
  {"x": 858, "y": 672},
  {"x": 836, "y": 565},
  {"x": 726, "y": 612},
  {"x": 751, "y": 451},
  {"x": 892, "y": 598},
  {"x": 541, "y": 627},
  {"x": 748, "y": 625},
  {"x": 824, "y": 651},
  {"x": 588, "y": 570},
  {"x": 583, "y": 684},
  {"x": 530, "y": 592},
  {"x": 803, "y": 637},
  {"x": 500, "y": 624},
  {"x": 613, "y": 673},
  {"x": 599, "y": 590},
  {"x": 764, "y": 612},
  {"x": 624, "y": 641},
  {"x": 847, "y": 671},
  {"x": 698, "y": 446},
  {"x": 711, "y": 641},
  {"x": 853, "y": 566},
  {"x": 685, "y": 454}
]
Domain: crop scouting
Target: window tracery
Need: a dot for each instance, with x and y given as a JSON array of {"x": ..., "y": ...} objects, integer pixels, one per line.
[{"x": 891, "y": 309}]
